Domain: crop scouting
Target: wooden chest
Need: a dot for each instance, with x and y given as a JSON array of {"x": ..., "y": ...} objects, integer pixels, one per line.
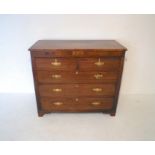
[{"x": 77, "y": 76}]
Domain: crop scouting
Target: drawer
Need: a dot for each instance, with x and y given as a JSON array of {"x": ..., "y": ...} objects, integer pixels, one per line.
[
  {"x": 76, "y": 104},
  {"x": 76, "y": 53},
  {"x": 76, "y": 77},
  {"x": 66, "y": 90},
  {"x": 52, "y": 64},
  {"x": 99, "y": 64}
]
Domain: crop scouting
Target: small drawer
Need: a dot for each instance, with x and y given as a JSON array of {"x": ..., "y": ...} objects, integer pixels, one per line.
[
  {"x": 76, "y": 104},
  {"x": 55, "y": 64},
  {"x": 67, "y": 90},
  {"x": 99, "y": 64},
  {"x": 76, "y": 77}
]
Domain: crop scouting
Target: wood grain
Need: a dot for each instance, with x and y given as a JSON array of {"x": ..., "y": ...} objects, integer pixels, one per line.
[
  {"x": 75, "y": 90},
  {"x": 89, "y": 64},
  {"x": 57, "y": 77},
  {"x": 77, "y": 44},
  {"x": 76, "y": 104},
  {"x": 77, "y": 76}
]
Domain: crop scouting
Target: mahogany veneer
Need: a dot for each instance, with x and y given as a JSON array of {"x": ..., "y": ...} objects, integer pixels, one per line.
[{"x": 77, "y": 76}]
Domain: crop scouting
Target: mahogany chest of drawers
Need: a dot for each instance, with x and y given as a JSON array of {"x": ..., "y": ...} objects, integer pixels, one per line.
[{"x": 77, "y": 76}]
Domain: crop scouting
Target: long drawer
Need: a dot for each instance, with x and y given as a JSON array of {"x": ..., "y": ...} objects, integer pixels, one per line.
[
  {"x": 82, "y": 64},
  {"x": 66, "y": 90},
  {"x": 76, "y": 77},
  {"x": 76, "y": 104}
]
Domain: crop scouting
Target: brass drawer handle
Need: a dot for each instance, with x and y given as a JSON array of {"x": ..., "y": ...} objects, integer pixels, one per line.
[
  {"x": 56, "y": 76},
  {"x": 77, "y": 53},
  {"x": 97, "y": 89},
  {"x": 99, "y": 62},
  {"x": 95, "y": 103},
  {"x": 56, "y": 63},
  {"x": 57, "y": 90},
  {"x": 58, "y": 103},
  {"x": 98, "y": 76}
]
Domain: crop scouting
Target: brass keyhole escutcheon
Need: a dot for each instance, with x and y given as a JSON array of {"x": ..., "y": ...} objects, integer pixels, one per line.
[{"x": 77, "y": 53}]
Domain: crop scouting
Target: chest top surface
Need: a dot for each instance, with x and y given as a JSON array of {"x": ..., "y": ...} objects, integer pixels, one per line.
[{"x": 110, "y": 45}]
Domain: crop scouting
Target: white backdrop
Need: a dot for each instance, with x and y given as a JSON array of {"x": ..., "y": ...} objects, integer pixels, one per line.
[{"x": 19, "y": 32}]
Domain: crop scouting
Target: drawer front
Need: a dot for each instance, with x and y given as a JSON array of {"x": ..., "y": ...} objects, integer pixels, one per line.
[
  {"x": 99, "y": 64},
  {"x": 58, "y": 64},
  {"x": 75, "y": 77},
  {"x": 77, "y": 53},
  {"x": 62, "y": 90},
  {"x": 76, "y": 104}
]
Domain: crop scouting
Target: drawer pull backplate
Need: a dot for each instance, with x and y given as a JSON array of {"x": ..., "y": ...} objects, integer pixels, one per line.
[
  {"x": 95, "y": 103},
  {"x": 97, "y": 89},
  {"x": 98, "y": 76},
  {"x": 57, "y": 90},
  {"x": 56, "y": 76},
  {"x": 56, "y": 63},
  {"x": 58, "y": 103},
  {"x": 99, "y": 63}
]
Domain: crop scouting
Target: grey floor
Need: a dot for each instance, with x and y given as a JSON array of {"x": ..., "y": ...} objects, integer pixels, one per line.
[{"x": 135, "y": 120}]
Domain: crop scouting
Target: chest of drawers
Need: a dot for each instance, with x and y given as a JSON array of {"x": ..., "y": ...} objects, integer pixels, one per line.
[{"x": 77, "y": 76}]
